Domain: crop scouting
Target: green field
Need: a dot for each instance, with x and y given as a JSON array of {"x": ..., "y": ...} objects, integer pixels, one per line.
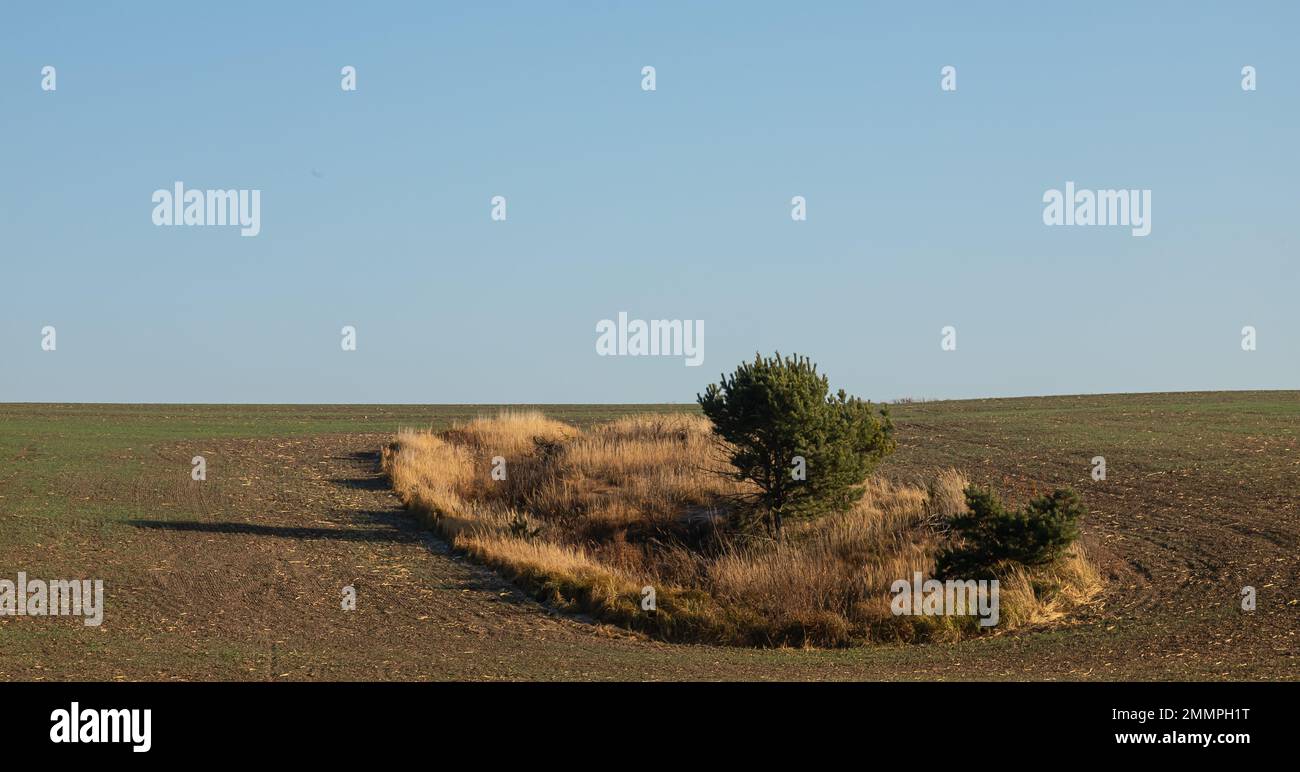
[{"x": 237, "y": 577}]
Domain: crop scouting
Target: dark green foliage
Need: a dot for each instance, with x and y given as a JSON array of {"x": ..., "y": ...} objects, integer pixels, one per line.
[
  {"x": 771, "y": 411},
  {"x": 989, "y": 534}
]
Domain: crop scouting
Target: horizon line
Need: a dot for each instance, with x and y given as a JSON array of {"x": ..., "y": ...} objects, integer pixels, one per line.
[{"x": 897, "y": 400}]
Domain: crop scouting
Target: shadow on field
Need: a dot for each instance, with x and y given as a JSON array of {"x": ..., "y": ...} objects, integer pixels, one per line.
[
  {"x": 371, "y": 456},
  {"x": 283, "y": 532},
  {"x": 362, "y": 483}
]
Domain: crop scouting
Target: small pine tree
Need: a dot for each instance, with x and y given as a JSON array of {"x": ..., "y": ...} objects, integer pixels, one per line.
[
  {"x": 989, "y": 534},
  {"x": 771, "y": 412}
]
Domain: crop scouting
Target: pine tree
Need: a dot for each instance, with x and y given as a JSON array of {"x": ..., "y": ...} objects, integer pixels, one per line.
[
  {"x": 772, "y": 413},
  {"x": 989, "y": 534}
]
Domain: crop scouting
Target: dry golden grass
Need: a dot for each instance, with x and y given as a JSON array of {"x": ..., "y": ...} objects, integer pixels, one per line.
[
  {"x": 1046, "y": 594},
  {"x": 587, "y": 519},
  {"x": 509, "y": 432},
  {"x": 948, "y": 493}
]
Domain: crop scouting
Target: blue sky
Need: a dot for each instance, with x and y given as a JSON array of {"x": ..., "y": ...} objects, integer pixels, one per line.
[{"x": 924, "y": 207}]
